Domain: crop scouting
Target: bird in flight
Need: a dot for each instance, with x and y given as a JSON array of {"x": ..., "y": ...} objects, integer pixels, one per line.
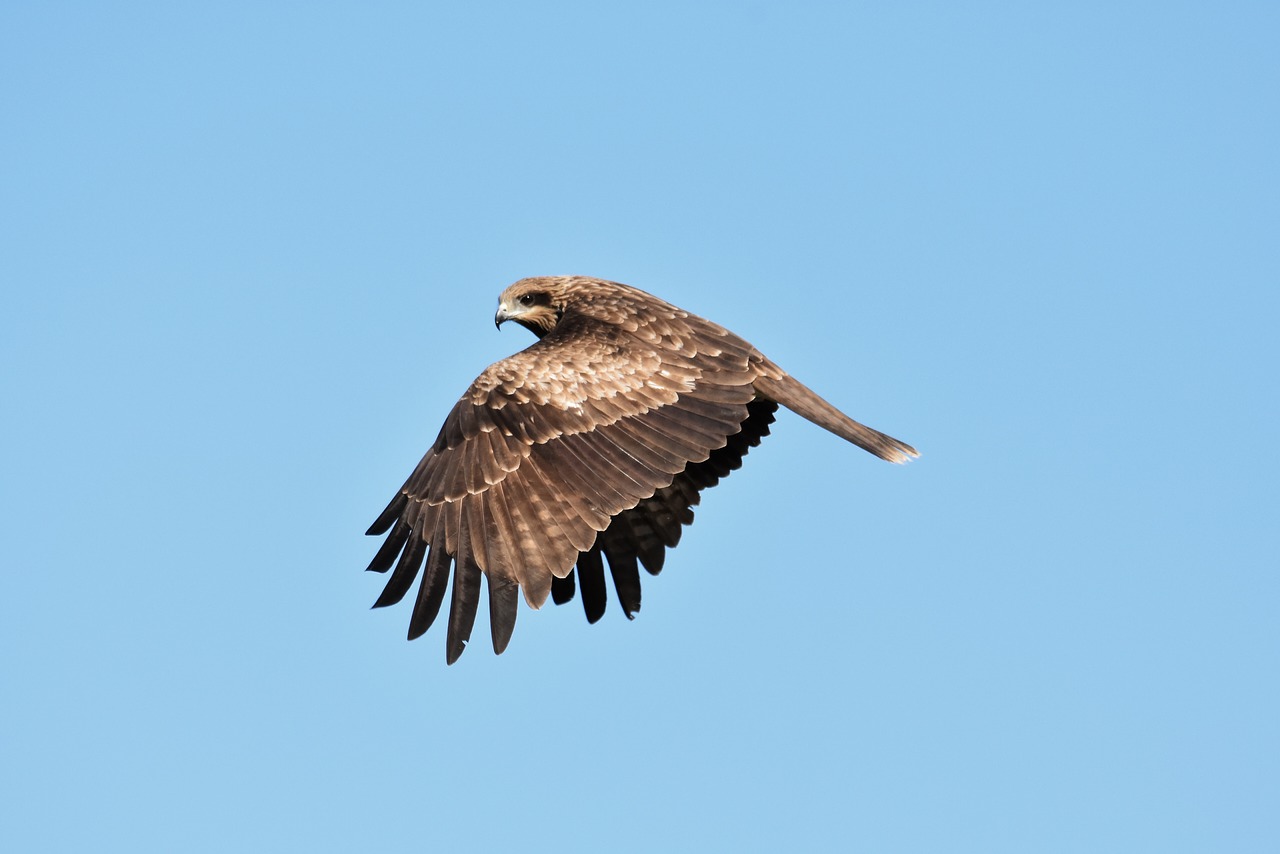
[{"x": 590, "y": 445}]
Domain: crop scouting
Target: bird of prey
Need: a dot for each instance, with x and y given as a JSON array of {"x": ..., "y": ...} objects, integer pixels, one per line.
[{"x": 592, "y": 444}]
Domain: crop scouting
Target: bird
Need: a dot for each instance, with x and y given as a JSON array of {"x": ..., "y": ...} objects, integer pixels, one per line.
[{"x": 593, "y": 444}]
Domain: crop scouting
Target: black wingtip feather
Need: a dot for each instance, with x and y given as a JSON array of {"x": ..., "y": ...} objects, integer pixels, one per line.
[
  {"x": 562, "y": 589},
  {"x": 504, "y": 601},
  {"x": 405, "y": 572},
  {"x": 591, "y": 580},
  {"x": 386, "y": 555},
  {"x": 626, "y": 579},
  {"x": 388, "y": 516},
  {"x": 431, "y": 592},
  {"x": 466, "y": 601},
  {"x": 653, "y": 559}
]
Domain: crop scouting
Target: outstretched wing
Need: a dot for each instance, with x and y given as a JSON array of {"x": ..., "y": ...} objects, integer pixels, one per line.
[{"x": 547, "y": 449}]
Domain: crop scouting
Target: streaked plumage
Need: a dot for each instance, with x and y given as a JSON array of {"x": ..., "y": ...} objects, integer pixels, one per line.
[{"x": 589, "y": 447}]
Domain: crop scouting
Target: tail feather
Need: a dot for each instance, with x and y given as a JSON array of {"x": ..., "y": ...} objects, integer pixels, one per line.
[{"x": 778, "y": 386}]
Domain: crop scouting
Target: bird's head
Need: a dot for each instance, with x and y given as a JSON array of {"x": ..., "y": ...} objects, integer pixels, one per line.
[{"x": 537, "y": 304}]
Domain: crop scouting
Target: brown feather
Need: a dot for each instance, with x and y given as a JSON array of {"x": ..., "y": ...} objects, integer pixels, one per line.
[
  {"x": 566, "y": 513},
  {"x": 477, "y": 513},
  {"x": 614, "y": 489},
  {"x": 630, "y": 437},
  {"x": 642, "y": 431},
  {"x": 503, "y": 543},
  {"x": 537, "y": 574}
]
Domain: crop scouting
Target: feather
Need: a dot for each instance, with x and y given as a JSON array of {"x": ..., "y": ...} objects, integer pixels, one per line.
[
  {"x": 604, "y": 483},
  {"x": 466, "y": 598},
  {"x": 591, "y": 580},
  {"x": 636, "y": 446},
  {"x": 563, "y": 511},
  {"x": 406, "y": 570},
  {"x": 504, "y": 602},
  {"x": 389, "y": 516},
  {"x": 625, "y": 572},
  {"x": 654, "y": 431},
  {"x": 562, "y": 589},
  {"x": 478, "y": 526},
  {"x": 538, "y": 553},
  {"x": 435, "y": 579},
  {"x": 386, "y": 555},
  {"x": 504, "y": 550}
]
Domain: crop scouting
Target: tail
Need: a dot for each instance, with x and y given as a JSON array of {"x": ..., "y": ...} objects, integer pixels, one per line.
[{"x": 777, "y": 385}]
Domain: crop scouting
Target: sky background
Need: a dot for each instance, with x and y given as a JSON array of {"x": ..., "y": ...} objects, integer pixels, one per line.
[{"x": 250, "y": 255}]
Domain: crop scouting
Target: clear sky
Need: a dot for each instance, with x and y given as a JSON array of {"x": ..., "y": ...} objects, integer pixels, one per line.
[{"x": 250, "y": 255}]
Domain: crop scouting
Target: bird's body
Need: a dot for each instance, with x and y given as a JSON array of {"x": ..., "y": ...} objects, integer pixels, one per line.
[{"x": 591, "y": 444}]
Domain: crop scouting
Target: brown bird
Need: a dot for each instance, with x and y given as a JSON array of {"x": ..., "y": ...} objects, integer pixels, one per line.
[{"x": 592, "y": 443}]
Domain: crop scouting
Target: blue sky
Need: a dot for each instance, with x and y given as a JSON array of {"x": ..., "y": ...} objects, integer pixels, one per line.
[{"x": 250, "y": 256}]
